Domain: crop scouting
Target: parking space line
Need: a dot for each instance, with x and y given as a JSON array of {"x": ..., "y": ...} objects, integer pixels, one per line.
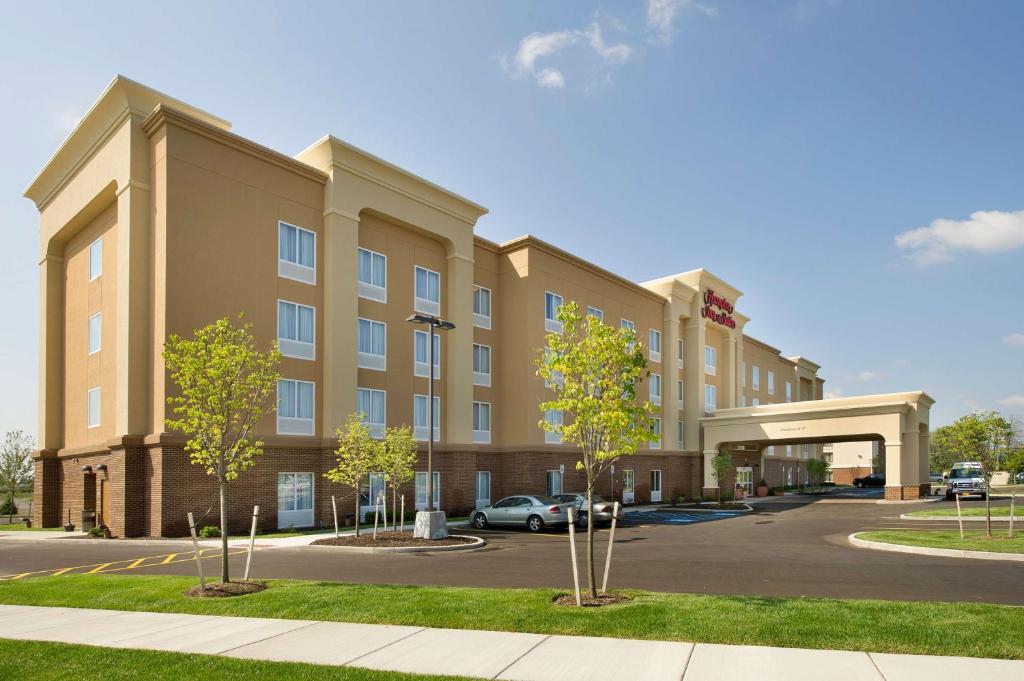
[
  {"x": 135, "y": 564},
  {"x": 169, "y": 558},
  {"x": 128, "y": 563},
  {"x": 98, "y": 568}
]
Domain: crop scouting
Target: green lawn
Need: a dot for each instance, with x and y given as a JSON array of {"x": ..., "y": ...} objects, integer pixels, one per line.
[
  {"x": 976, "y": 540},
  {"x": 997, "y": 512},
  {"x": 936, "y": 628},
  {"x": 35, "y": 661},
  {"x": 20, "y": 527}
]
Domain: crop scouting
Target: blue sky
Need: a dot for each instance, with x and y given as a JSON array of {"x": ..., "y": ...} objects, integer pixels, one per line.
[{"x": 857, "y": 168}]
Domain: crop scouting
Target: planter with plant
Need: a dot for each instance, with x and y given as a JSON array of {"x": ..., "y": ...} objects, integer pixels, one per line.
[{"x": 762, "y": 488}]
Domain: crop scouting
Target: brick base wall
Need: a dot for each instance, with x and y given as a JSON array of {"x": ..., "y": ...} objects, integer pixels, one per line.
[
  {"x": 907, "y": 492},
  {"x": 845, "y": 476}
]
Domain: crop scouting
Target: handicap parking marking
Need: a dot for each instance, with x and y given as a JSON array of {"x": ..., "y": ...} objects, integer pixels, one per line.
[{"x": 649, "y": 518}]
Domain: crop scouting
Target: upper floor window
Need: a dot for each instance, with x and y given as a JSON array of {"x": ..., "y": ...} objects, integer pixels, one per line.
[
  {"x": 789, "y": 450},
  {"x": 680, "y": 433},
  {"x": 626, "y": 324},
  {"x": 771, "y": 382},
  {"x": 553, "y": 417},
  {"x": 679, "y": 393},
  {"x": 654, "y": 343},
  {"x": 373, "y": 275},
  {"x": 295, "y": 407},
  {"x": 655, "y": 442},
  {"x": 421, "y": 356},
  {"x": 596, "y": 312},
  {"x": 371, "y": 344},
  {"x": 789, "y": 391},
  {"x": 755, "y": 377},
  {"x": 482, "y": 307},
  {"x": 743, "y": 374},
  {"x": 428, "y": 291},
  {"x": 710, "y": 360},
  {"x": 679, "y": 352},
  {"x": 96, "y": 259},
  {"x": 710, "y": 398},
  {"x": 95, "y": 332},
  {"x": 372, "y": 404},
  {"x": 743, "y": 400},
  {"x": 296, "y": 255},
  {"x": 92, "y": 415},
  {"x": 419, "y": 417},
  {"x": 552, "y": 301},
  {"x": 295, "y": 324},
  {"x": 482, "y": 423},
  {"x": 654, "y": 391},
  {"x": 481, "y": 365},
  {"x": 755, "y": 402}
]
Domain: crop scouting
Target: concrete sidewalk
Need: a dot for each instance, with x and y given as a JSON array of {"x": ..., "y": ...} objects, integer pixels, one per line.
[{"x": 481, "y": 654}]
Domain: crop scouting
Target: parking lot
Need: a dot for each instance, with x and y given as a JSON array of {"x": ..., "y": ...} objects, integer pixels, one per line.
[{"x": 790, "y": 547}]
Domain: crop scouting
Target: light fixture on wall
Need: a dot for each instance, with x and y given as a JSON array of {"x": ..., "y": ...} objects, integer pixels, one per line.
[
  {"x": 87, "y": 469},
  {"x": 102, "y": 467}
]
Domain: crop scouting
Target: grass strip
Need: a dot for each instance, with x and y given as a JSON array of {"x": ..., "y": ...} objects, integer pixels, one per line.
[
  {"x": 975, "y": 540},
  {"x": 997, "y": 512}
]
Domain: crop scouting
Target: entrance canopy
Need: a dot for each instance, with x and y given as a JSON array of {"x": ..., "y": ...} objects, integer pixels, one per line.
[{"x": 900, "y": 420}]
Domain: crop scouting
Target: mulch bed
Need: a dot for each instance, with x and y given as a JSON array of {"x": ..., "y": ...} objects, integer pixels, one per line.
[
  {"x": 225, "y": 590},
  {"x": 588, "y": 602},
  {"x": 390, "y": 539}
]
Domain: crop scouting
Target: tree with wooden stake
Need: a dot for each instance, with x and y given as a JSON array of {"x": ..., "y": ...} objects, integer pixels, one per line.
[
  {"x": 720, "y": 466},
  {"x": 226, "y": 387},
  {"x": 16, "y": 467},
  {"x": 593, "y": 370},
  {"x": 357, "y": 456},
  {"x": 399, "y": 452}
]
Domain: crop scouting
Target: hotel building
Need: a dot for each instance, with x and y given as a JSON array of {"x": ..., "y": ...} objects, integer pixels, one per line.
[{"x": 155, "y": 219}]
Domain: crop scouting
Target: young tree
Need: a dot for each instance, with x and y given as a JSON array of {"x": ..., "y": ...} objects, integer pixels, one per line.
[
  {"x": 226, "y": 386},
  {"x": 818, "y": 468},
  {"x": 16, "y": 468},
  {"x": 593, "y": 370},
  {"x": 398, "y": 455},
  {"x": 984, "y": 437},
  {"x": 720, "y": 465},
  {"x": 357, "y": 456}
]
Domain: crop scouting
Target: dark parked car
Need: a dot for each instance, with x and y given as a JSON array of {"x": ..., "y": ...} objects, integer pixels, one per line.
[{"x": 870, "y": 480}]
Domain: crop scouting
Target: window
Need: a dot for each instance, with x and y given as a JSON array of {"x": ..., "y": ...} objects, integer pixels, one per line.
[
  {"x": 294, "y": 500},
  {"x": 555, "y": 381},
  {"x": 483, "y": 489},
  {"x": 372, "y": 492},
  {"x": 771, "y": 450},
  {"x": 482, "y": 422},
  {"x": 655, "y": 442},
  {"x": 296, "y": 254},
  {"x": 481, "y": 365},
  {"x": 596, "y": 312},
  {"x": 427, "y": 291},
  {"x": 789, "y": 450},
  {"x": 789, "y": 391},
  {"x": 421, "y": 490},
  {"x": 710, "y": 398},
  {"x": 654, "y": 339},
  {"x": 373, "y": 275},
  {"x": 92, "y": 415},
  {"x": 743, "y": 375},
  {"x": 419, "y": 417},
  {"x": 679, "y": 393},
  {"x": 95, "y": 332},
  {"x": 806, "y": 451},
  {"x": 679, "y": 351},
  {"x": 372, "y": 342},
  {"x": 626, "y": 324},
  {"x": 743, "y": 400},
  {"x": 710, "y": 360},
  {"x": 372, "y": 404},
  {"x": 771, "y": 382},
  {"x": 482, "y": 307},
  {"x": 755, "y": 377},
  {"x": 680, "y": 434},
  {"x": 552, "y": 301},
  {"x": 295, "y": 329},
  {"x": 96, "y": 259},
  {"x": 294, "y": 407},
  {"x": 654, "y": 390},
  {"x": 554, "y": 479},
  {"x": 755, "y": 402},
  {"x": 420, "y": 354},
  {"x": 553, "y": 417}
]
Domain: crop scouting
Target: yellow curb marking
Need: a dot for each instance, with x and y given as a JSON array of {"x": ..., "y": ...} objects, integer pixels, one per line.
[
  {"x": 169, "y": 558},
  {"x": 129, "y": 563},
  {"x": 98, "y": 568}
]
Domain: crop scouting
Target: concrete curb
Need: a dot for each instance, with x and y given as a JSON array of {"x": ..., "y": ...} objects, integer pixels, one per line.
[
  {"x": 476, "y": 544},
  {"x": 966, "y": 518},
  {"x": 698, "y": 509},
  {"x": 926, "y": 500},
  {"x": 926, "y": 551}
]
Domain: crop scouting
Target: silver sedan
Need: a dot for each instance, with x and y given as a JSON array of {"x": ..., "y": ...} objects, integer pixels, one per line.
[
  {"x": 535, "y": 512},
  {"x": 602, "y": 508}
]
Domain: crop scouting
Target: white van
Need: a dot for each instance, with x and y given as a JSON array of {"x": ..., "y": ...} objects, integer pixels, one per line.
[{"x": 966, "y": 477}]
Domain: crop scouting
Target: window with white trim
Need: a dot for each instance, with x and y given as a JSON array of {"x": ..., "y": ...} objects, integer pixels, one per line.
[
  {"x": 555, "y": 381},
  {"x": 552, "y": 301},
  {"x": 421, "y": 490},
  {"x": 92, "y": 409},
  {"x": 95, "y": 332},
  {"x": 372, "y": 404},
  {"x": 743, "y": 375},
  {"x": 296, "y": 254},
  {"x": 771, "y": 450},
  {"x": 789, "y": 391},
  {"x": 419, "y": 417},
  {"x": 482, "y": 423},
  {"x": 295, "y": 406},
  {"x": 626, "y": 324},
  {"x": 743, "y": 400},
  {"x": 373, "y": 275},
  {"x": 771, "y": 382},
  {"x": 481, "y": 307},
  {"x": 296, "y": 324},
  {"x": 654, "y": 344},
  {"x": 553, "y": 417},
  {"x": 679, "y": 393},
  {"x": 596, "y": 312},
  {"x": 710, "y": 360},
  {"x": 421, "y": 357},
  {"x": 655, "y": 442},
  {"x": 96, "y": 259},
  {"x": 756, "y": 402},
  {"x": 710, "y": 398},
  {"x": 372, "y": 344},
  {"x": 481, "y": 365},
  {"x": 755, "y": 378},
  {"x": 680, "y": 434},
  {"x": 679, "y": 352},
  {"x": 789, "y": 450},
  {"x": 654, "y": 391},
  {"x": 427, "y": 285}
]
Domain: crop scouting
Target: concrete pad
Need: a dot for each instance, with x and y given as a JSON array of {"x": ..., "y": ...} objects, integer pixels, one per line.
[
  {"x": 913, "y": 667},
  {"x": 457, "y": 652},
  {"x": 333, "y": 643},
  {"x": 107, "y": 630},
  {"x": 586, "y": 658},
  {"x": 24, "y": 626},
  {"x": 12, "y": 611},
  {"x": 711, "y": 662},
  {"x": 211, "y": 635}
]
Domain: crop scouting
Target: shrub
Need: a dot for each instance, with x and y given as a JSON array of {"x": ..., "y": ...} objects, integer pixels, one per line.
[
  {"x": 698, "y": 500},
  {"x": 763, "y": 483},
  {"x": 97, "y": 532},
  {"x": 209, "y": 531},
  {"x": 8, "y": 507},
  {"x": 681, "y": 499}
]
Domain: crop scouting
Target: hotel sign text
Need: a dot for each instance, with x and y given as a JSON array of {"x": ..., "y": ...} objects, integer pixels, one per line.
[{"x": 723, "y": 315}]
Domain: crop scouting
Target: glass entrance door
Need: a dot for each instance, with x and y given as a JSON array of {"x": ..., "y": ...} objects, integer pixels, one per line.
[
  {"x": 554, "y": 483},
  {"x": 655, "y": 486},
  {"x": 483, "y": 489},
  {"x": 745, "y": 479}
]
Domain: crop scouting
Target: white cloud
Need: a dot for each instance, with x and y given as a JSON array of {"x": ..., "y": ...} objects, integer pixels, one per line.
[
  {"x": 661, "y": 15},
  {"x": 1012, "y": 401},
  {"x": 985, "y": 232},
  {"x": 865, "y": 376},
  {"x": 540, "y": 46},
  {"x": 834, "y": 394},
  {"x": 1015, "y": 340}
]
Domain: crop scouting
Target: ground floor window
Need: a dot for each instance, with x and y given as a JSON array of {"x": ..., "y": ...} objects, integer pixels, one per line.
[
  {"x": 421, "y": 490},
  {"x": 554, "y": 483},
  {"x": 628, "y": 486},
  {"x": 655, "y": 486},
  {"x": 294, "y": 500},
  {"x": 483, "y": 489},
  {"x": 374, "y": 489}
]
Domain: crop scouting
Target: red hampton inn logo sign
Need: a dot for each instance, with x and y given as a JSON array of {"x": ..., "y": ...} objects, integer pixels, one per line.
[{"x": 724, "y": 316}]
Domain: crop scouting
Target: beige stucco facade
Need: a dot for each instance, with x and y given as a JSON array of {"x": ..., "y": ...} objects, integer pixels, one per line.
[{"x": 194, "y": 220}]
